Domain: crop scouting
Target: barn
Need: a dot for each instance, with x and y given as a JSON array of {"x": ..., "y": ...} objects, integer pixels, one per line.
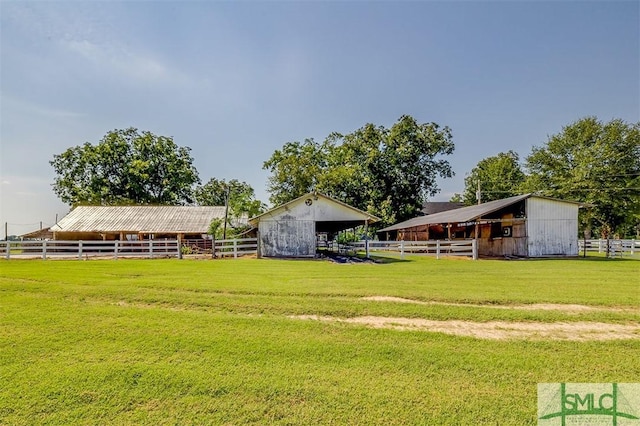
[
  {"x": 294, "y": 228},
  {"x": 526, "y": 225},
  {"x": 136, "y": 222}
]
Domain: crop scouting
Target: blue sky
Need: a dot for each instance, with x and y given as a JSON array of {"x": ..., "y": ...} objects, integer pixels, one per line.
[{"x": 236, "y": 80}]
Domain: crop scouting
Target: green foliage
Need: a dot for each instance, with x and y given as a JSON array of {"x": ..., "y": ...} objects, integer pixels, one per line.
[
  {"x": 387, "y": 172},
  {"x": 126, "y": 167},
  {"x": 297, "y": 168},
  {"x": 216, "y": 228},
  {"x": 167, "y": 341},
  {"x": 456, "y": 198},
  {"x": 242, "y": 197},
  {"x": 500, "y": 177},
  {"x": 596, "y": 163}
]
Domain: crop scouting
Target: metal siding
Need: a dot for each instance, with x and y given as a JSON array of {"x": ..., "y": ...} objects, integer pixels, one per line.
[
  {"x": 552, "y": 227},
  {"x": 287, "y": 238}
]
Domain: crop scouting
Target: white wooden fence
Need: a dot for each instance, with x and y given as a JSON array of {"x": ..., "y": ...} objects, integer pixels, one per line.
[
  {"x": 613, "y": 247},
  {"x": 85, "y": 249},
  {"x": 236, "y": 247},
  {"x": 468, "y": 248}
]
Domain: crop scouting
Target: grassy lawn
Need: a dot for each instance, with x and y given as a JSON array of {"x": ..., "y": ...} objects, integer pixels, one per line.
[{"x": 213, "y": 342}]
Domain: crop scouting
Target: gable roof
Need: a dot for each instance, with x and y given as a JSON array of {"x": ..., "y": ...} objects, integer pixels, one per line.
[
  {"x": 465, "y": 214},
  {"x": 147, "y": 219},
  {"x": 365, "y": 216}
]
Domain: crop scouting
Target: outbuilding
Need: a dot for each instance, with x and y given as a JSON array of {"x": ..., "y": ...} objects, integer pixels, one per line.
[
  {"x": 137, "y": 222},
  {"x": 526, "y": 225},
  {"x": 295, "y": 229}
]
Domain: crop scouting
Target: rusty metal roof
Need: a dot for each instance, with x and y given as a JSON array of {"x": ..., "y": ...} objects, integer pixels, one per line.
[
  {"x": 464, "y": 214},
  {"x": 144, "y": 219}
]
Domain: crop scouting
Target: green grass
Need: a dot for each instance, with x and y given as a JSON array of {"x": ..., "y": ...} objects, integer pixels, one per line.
[{"x": 211, "y": 342}]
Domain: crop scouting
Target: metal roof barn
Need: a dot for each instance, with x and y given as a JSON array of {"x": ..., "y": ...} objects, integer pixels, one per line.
[
  {"x": 117, "y": 222},
  {"x": 292, "y": 229},
  {"x": 526, "y": 225}
]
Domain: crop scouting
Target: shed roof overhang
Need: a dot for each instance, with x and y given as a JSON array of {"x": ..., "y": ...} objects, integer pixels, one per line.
[{"x": 466, "y": 214}]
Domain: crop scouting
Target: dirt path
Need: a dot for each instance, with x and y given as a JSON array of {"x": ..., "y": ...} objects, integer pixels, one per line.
[
  {"x": 496, "y": 330},
  {"x": 568, "y": 308}
]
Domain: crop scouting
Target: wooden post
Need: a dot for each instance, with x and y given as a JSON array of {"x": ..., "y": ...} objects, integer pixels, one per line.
[
  {"x": 79, "y": 249},
  {"x": 633, "y": 245},
  {"x": 150, "y": 248},
  {"x": 235, "y": 248},
  {"x": 438, "y": 249},
  {"x": 402, "y": 249},
  {"x": 115, "y": 249},
  {"x": 474, "y": 248},
  {"x": 366, "y": 239},
  {"x": 44, "y": 249},
  {"x": 8, "y": 248}
]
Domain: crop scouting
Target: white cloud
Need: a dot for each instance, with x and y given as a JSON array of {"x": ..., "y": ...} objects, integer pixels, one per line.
[{"x": 114, "y": 59}]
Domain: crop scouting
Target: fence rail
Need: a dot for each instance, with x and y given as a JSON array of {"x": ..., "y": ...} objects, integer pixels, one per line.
[
  {"x": 612, "y": 247},
  {"x": 85, "y": 249},
  {"x": 235, "y": 248},
  {"x": 438, "y": 248}
]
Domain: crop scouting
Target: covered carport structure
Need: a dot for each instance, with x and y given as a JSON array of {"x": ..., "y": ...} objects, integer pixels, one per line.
[{"x": 293, "y": 229}]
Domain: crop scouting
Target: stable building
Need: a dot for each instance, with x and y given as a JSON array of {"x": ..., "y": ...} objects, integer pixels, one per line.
[
  {"x": 296, "y": 228},
  {"x": 526, "y": 225},
  {"x": 137, "y": 222}
]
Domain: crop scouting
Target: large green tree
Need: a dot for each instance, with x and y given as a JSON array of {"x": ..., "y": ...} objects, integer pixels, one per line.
[
  {"x": 596, "y": 163},
  {"x": 387, "y": 172},
  {"x": 499, "y": 176},
  {"x": 126, "y": 167},
  {"x": 242, "y": 197}
]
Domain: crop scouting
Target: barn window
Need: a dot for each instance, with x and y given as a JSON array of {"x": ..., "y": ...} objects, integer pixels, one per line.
[{"x": 496, "y": 230}]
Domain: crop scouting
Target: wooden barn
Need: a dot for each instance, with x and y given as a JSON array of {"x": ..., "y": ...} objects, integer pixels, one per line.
[
  {"x": 525, "y": 225},
  {"x": 136, "y": 222},
  {"x": 293, "y": 229}
]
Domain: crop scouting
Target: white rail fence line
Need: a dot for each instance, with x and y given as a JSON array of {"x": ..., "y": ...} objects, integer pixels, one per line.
[
  {"x": 612, "y": 246},
  {"x": 85, "y": 249},
  {"x": 438, "y": 248},
  {"x": 235, "y": 247}
]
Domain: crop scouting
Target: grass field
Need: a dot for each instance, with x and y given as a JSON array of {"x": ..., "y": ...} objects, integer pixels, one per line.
[{"x": 220, "y": 342}]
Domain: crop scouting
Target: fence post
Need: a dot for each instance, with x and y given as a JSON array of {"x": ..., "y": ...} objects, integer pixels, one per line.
[
  {"x": 600, "y": 246},
  {"x": 8, "y": 247},
  {"x": 402, "y": 249},
  {"x": 366, "y": 247},
  {"x": 474, "y": 248},
  {"x": 179, "y": 245},
  {"x": 80, "y": 250},
  {"x": 150, "y": 249},
  {"x": 235, "y": 249},
  {"x": 633, "y": 245},
  {"x": 115, "y": 250},
  {"x": 44, "y": 249},
  {"x": 438, "y": 249}
]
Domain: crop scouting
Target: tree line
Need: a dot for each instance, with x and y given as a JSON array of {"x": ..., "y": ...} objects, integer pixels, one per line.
[{"x": 388, "y": 172}]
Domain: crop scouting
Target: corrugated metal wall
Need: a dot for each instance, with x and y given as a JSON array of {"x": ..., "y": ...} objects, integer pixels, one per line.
[
  {"x": 287, "y": 238},
  {"x": 552, "y": 228}
]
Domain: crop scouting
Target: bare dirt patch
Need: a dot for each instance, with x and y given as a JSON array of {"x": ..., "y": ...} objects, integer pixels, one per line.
[
  {"x": 496, "y": 330},
  {"x": 567, "y": 308}
]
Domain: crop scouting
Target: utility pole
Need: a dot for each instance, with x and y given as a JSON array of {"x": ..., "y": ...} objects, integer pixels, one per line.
[
  {"x": 226, "y": 213},
  {"x": 478, "y": 193}
]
